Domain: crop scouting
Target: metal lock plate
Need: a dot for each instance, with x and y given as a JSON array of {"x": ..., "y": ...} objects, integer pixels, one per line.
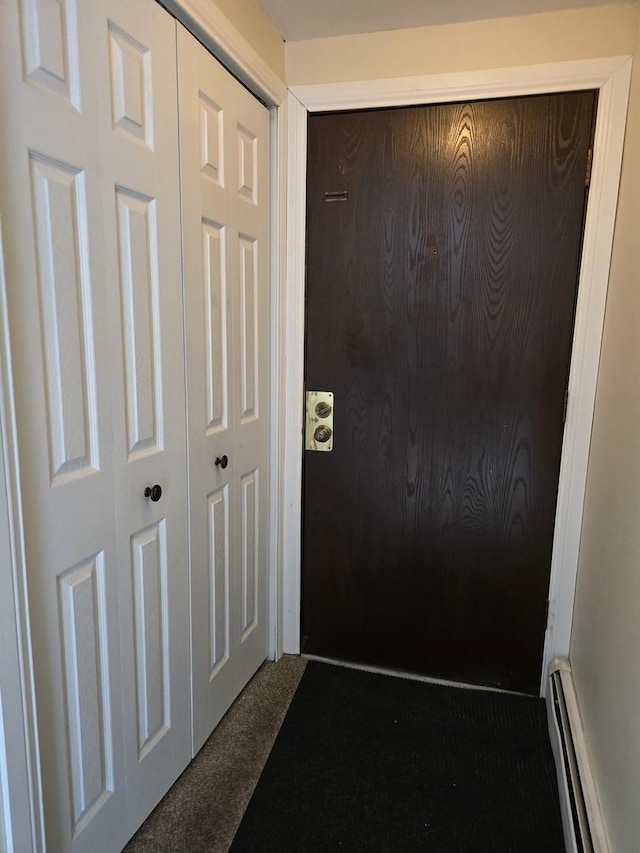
[{"x": 319, "y": 421}]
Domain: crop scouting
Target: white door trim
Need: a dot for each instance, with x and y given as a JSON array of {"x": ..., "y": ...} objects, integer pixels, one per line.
[
  {"x": 611, "y": 77},
  {"x": 20, "y": 785}
]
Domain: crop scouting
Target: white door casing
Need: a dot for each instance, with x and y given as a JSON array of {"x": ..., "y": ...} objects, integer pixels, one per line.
[
  {"x": 611, "y": 77},
  {"x": 224, "y": 153},
  {"x": 90, "y": 204}
]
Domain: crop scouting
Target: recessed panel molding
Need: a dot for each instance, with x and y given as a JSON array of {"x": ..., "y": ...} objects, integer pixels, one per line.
[
  {"x": 139, "y": 298},
  {"x": 247, "y": 165},
  {"x": 149, "y": 569},
  {"x": 218, "y": 520},
  {"x": 250, "y": 347},
  {"x": 64, "y": 284},
  {"x": 211, "y": 140},
  {"x": 250, "y": 551},
  {"x": 131, "y": 87},
  {"x": 50, "y": 47},
  {"x": 83, "y": 630},
  {"x": 215, "y": 303}
]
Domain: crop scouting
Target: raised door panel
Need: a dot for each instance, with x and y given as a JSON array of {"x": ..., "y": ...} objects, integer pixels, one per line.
[
  {"x": 83, "y": 628},
  {"x": 139, "y": 300},
  {"x": 249, "y": 528},
  {"x": 218, "y": 505},
  {"x": 150, "y": 587},
  {"x": 249, "y": 339},
  {"x": 64, "y": 279},
  {"x": 131, "y": 86},
  {"x": 50, "y": 47},
  {"x": 216, "y": 354},
  {"x": 211, "y": 119},
  {"x": 247, "y": 164}
]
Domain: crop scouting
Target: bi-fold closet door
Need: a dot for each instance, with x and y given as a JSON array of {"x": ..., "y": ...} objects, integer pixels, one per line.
[
  {"x": 224, "y": 145},
  {"x": 90, "y": 194}
]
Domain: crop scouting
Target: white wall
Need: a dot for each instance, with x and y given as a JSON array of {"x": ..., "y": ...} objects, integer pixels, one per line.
[
  {"x": 605, "y": 645},
  {"x": 501, "y": 42},
  {"x": 249, "y": 19}
]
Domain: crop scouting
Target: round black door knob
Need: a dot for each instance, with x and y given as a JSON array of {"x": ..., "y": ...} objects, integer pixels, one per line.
[
  {"x": 222, "y": 461},
  {"x": 153, "y": 492}
]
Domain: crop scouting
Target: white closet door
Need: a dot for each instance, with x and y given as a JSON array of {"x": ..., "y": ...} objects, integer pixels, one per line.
[
  {"x": 141, "y": 203},
  {"x": 90, "y": 210},
  {"x": 57, "y": 296},
  {"x": 224, "y": 155}
]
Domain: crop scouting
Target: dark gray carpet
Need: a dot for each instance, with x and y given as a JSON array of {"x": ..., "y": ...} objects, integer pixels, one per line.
[
  {"x": 203, "y": 809},
  {"x": 368, "y": 762}
]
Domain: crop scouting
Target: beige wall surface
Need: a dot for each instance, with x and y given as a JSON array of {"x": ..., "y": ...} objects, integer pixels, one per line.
[
  {"x": 496, "y": 43},
  {"x": 249, "y": 19},
  {"x": 605, "y": 644}
]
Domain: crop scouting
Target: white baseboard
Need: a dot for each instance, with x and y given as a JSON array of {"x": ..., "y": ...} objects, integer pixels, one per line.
[{"x": 582, "y": 821}]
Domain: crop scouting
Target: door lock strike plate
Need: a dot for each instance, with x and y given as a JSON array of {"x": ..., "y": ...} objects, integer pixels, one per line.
[{"x": 319, "y": 421}]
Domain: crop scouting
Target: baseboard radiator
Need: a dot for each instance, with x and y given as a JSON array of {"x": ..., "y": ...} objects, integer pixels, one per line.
[{"x": 584, "y": 829}]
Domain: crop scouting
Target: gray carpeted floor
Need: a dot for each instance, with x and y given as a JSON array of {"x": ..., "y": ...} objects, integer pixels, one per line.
[{"x": 203, "y": 809}]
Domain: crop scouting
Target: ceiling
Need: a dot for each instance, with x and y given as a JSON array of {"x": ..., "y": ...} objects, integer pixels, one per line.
[{"x": 305, "y": 19}]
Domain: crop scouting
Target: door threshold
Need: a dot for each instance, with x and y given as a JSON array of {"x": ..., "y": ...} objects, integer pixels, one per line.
[{"x": 412, "y": 676}]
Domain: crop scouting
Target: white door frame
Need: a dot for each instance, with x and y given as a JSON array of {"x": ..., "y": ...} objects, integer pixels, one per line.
[{"x": 611, "y": 77}]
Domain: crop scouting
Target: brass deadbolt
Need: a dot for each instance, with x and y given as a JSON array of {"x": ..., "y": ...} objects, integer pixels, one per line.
[{"x": 322, "y": 434}]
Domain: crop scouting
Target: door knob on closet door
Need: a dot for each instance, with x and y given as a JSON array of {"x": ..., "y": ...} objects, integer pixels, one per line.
[
  {"x": 222, "y": 461},
  {"x": 153, "y": 492}
]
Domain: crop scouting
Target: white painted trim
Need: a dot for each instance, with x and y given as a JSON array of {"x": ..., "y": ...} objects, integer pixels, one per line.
[
  {"x": 463, "y": 85},
  {"x": 611, "y": 76},
  {"x": 585, "y": 359},
  {"x": 595, "y": 818},
  {"x": 208, "y": 24},
  {"x": 278, "y": 323},
  {"x": 23, "y": 811},
  {"x": 294, "y": 367}
]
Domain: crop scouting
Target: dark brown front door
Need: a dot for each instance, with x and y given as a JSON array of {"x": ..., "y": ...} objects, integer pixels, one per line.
[{"x": 440, "y": 306}]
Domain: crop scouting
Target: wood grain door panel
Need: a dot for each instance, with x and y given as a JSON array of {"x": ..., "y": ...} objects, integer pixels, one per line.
[{"x": 440, "y": 305}]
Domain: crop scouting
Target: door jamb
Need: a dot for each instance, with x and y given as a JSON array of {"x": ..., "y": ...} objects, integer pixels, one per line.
[{"x": 611, "y": 76}]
